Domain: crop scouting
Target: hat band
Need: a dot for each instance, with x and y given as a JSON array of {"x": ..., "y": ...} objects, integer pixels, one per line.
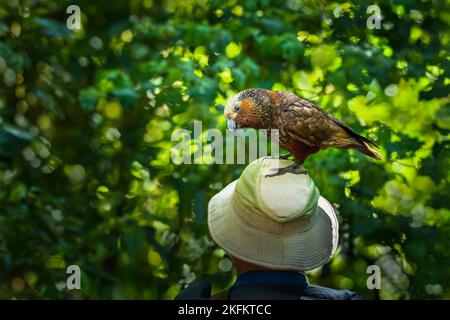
[{"x": 267, "y": 224}]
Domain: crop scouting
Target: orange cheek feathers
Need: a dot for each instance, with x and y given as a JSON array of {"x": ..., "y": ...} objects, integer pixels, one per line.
[
  {"x": 246, "y": 105},
  {"x": 247, "y": 113}
]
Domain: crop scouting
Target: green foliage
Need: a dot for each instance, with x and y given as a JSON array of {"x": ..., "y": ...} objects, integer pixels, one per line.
[{"x": 85, "y": 134}]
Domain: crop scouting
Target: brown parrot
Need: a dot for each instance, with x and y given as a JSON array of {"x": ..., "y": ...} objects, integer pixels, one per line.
[{"x": 303, "y": 127}]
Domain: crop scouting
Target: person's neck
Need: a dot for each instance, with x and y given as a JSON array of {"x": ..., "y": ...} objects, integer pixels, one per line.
[{"x": 243, "y": 267}]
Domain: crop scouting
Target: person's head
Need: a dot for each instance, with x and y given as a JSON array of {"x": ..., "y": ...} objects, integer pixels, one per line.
[
  {"x": 274, "y": 222},
  {"x": 242, "y": 266}
]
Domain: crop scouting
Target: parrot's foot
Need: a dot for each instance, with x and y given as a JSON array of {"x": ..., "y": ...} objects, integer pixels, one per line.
[
  {"x": 284, "y": 156},
  {"x": 293, "y": 168}
]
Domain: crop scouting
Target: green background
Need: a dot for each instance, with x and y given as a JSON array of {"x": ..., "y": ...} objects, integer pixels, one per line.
[{"x": 86, "y": 119}]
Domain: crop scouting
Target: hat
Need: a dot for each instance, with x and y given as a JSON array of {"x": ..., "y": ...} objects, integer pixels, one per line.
[{"x": 280, "y": 222}]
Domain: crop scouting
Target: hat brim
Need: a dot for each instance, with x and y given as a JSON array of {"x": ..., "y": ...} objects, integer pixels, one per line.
[{"x": 306, "y": 246}]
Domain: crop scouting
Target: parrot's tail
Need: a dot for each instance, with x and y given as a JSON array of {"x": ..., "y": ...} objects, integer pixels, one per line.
[
  {"x": 348, "y": 139},
  {"x": 360, "y": 143},
  {"x": 365, "y": 148}
]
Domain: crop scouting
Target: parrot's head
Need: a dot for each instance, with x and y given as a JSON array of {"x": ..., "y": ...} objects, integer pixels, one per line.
[{"x": 250, "y": 108}]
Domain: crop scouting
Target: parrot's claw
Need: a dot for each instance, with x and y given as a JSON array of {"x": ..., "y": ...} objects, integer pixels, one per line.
[
  {"x": 284, "y": 156},
  {"x": 293, "y": 168}
]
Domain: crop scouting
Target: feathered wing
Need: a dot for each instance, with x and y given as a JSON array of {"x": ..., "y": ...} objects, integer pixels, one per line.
[{"x": 310, "y": 125}]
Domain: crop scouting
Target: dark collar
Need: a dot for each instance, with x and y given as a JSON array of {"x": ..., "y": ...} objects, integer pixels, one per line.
[{"x": 290, "y": 278}]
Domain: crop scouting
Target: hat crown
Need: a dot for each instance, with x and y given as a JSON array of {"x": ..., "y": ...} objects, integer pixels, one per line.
[{"x": 283, "y": 197}]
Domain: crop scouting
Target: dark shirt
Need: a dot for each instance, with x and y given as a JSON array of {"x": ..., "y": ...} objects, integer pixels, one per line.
[{"x": 268, "y": 285}]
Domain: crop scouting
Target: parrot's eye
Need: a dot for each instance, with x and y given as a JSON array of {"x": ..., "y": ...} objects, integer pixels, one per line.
[{"x": 237, "y": 107}]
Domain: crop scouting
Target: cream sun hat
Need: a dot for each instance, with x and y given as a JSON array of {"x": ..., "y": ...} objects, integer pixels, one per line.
[{"x": 280, "y": 222}]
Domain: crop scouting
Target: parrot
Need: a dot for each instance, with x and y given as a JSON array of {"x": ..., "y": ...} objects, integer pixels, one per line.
[{"x": 303, "y": 127}]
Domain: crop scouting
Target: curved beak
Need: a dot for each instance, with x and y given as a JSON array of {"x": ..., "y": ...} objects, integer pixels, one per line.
[{"x": 232, "y": 125}]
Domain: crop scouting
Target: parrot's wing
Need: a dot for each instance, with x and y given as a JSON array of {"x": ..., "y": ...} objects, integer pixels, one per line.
[
  {"x": 307, "y": 123},
  {"x": 343, "y": 126}
]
